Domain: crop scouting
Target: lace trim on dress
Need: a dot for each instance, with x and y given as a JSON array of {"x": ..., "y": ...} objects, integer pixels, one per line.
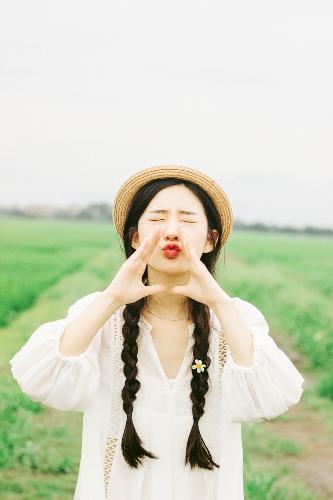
[
  {"x": 223, "y": 346},
  {"x": 108, "y": 459},
  {"x": 117, "y": 383},
  {"x": 115, "y": 406}
]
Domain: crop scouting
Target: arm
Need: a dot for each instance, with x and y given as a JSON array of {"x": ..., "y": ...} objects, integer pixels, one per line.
[
  {"x": 82, "y": 329},
  {"x": 267, "y": 387},
  {"x": 237, "y": 333},
  {"x": 65, "y": 381}
]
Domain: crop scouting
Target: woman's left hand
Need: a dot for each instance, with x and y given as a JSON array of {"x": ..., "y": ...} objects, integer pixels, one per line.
[{"x": 202, "y": 286}]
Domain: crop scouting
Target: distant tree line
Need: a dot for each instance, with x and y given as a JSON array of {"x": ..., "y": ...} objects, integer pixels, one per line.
[
  {"x": 258, "y": 226},
  {"x": 94, "y": 211},
  {"x": 103, "y": 212}
]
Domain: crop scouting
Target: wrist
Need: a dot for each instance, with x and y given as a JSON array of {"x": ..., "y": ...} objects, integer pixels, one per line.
[
  {"x": 222, "y": 301},
  {"x": 111, "y": 299}
]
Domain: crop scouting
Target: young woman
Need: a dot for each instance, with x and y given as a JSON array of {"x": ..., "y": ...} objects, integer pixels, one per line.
[{"x": 163, "y": 403}]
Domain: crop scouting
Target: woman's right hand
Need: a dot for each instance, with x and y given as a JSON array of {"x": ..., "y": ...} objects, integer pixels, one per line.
[{"x": 127, "y": 286}]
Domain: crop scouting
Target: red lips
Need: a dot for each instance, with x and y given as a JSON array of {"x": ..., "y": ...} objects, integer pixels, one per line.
[{"x": 171, "y": 246}]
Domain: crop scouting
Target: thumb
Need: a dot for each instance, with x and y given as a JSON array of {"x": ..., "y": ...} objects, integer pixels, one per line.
[
  {"x": 152, "y": 289},
  {"x": 178, "y": 290}
]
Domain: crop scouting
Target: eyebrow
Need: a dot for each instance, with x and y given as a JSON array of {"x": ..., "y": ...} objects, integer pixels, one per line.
[{"x": 159, "y": 211}]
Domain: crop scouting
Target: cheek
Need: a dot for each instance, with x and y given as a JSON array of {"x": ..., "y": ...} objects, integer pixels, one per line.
[
  {"x": 197, "y": 242},
  {"x": 143, "y": 231},
  {"x": 195, "y": 234}
]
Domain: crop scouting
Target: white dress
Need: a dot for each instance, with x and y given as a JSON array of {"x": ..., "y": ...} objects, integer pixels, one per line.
[{"x": 162, "y": 411}]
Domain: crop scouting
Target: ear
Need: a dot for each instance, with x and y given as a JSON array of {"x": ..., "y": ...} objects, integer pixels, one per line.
[
  {"x": 211, "y": 237},
  {"x": 135, "y": 240}
]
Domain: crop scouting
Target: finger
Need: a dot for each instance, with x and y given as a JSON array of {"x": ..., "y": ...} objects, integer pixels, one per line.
[
  {"x": 188, "y": 247},
  {"x": 151, "y": 244},
  {"x": 184, "y": 242},
  {"x": 148, "y": 245},
  {"x": 152, "y": 289},
  {"x": 191, "y": 250},
  {"x": 178, "y": 290},
  {"x": 193, "y": 253}
]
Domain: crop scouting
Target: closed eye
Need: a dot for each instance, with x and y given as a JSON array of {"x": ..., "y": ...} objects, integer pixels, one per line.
[{"x": 156, "y": 220}]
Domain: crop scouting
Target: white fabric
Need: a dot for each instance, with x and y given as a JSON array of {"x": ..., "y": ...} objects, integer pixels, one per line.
[
  {"x": 172, "y": 381},
  {"x": 162, "y": 410}
]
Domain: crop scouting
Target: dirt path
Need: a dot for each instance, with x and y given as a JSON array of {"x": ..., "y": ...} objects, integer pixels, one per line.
[{"x": 309, "y": 429}]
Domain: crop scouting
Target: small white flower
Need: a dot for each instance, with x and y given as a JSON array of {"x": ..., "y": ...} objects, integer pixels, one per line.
[{"x": 198, "y": 366}]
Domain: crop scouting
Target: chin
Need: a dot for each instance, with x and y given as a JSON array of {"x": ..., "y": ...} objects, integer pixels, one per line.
[{"x": 169, "y": 266}]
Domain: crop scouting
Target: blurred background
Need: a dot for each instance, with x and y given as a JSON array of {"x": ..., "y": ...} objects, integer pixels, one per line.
[{"x": 92, "y": 92}]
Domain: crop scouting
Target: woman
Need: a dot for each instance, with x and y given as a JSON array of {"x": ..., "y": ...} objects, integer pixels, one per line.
[{"x": 141, "y": 359}]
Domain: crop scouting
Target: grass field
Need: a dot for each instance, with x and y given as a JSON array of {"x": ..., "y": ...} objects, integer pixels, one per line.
[{"x": 46, "y": 265}]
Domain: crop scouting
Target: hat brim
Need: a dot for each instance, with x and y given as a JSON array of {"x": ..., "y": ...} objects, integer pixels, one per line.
[{"x": 129, "y": 188}]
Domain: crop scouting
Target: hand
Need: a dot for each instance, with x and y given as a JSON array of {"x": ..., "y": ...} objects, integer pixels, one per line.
[
  {"x": 127, "y": 286},
  {"x": 201, "y": 287}
]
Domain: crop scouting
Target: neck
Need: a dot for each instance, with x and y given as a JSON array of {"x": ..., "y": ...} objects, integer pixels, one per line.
[{"x": 167, "y": 304}]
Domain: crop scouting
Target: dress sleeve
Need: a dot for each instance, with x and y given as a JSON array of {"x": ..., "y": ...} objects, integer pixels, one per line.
[
  {"x": 269, "y": 386},
  {"x": 52, "y": 378}
]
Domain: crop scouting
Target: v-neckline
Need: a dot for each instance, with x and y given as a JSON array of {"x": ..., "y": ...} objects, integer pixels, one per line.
[{"x": 147, "y": 331}]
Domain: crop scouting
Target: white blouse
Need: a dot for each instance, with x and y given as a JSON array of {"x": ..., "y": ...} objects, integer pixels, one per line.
[{"x": 92, "y": 382}]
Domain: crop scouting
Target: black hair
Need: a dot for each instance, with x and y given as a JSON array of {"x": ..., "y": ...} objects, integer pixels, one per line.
[{"x": 197, "y": 454}]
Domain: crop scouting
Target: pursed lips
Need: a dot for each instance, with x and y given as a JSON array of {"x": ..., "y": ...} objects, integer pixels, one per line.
[{"x": 172, "y": 246}]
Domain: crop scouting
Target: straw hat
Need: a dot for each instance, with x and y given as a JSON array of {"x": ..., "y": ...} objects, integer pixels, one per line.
[{"x": 128, "y": 189}]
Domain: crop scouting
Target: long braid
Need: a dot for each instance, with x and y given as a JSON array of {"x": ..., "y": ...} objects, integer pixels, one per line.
[
  {"x": 197, "y": 453},
  {"x": 131, "y": 444}
]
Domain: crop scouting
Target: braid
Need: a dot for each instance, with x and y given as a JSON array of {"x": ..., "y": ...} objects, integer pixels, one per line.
[
  {"x": 131, "y": 444},
  {"x": 197, "y": 453}
]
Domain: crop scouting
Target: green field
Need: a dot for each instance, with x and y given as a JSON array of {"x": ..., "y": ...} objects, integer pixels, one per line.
[{"x": 47, "y": 265}]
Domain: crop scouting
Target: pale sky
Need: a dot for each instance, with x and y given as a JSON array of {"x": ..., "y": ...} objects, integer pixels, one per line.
[{"x": 93, "y": 91}]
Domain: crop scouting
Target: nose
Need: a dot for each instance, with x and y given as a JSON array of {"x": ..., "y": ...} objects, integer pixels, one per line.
[{"x": 171, "y": 230}]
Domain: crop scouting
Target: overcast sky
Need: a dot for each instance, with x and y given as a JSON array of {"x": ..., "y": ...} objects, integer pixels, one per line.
[{"x": 93, "y": 91}]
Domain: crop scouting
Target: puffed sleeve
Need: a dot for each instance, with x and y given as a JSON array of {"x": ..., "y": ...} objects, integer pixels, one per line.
[
  {"x": 52, "y": 378},
  {"x": 269, "y": 386}
]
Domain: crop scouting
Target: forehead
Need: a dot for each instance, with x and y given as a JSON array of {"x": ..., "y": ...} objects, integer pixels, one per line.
[{"x": 175, "y": 198}]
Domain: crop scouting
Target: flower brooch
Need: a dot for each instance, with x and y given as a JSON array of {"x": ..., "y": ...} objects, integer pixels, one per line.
[{"x": 199, "y": 366}]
